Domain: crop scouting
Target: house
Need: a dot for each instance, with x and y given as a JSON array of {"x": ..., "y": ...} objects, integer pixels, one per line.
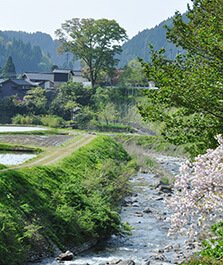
[
  {"x": 62, "y": 76},
  {"x": 14, "y": 87},
  {"x": 45, "y": 80},
  {"x": 55, "y": 78}
]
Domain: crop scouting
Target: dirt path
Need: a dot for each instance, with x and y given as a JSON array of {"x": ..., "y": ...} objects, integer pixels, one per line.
[{"x": 54, "y": 154}]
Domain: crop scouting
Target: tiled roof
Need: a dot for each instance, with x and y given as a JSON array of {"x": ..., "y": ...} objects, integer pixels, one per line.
[
  {"x": 39, "y": 76},
  {"x": 20, "y": 82}
]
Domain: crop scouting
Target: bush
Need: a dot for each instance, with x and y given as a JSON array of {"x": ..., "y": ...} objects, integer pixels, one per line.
[
  {"x": 26, "y": 120},
  {"x": 111, "y": 127},
  {"x": 46, "y": 120},
  {"x": 52, "y": 121}
]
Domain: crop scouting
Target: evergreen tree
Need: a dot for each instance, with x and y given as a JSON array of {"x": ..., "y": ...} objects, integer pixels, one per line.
[{"x": 8, "y": 70}]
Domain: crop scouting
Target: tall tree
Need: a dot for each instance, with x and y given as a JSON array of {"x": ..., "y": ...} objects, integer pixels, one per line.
[
  {"x": 189, "y": 100},
  {"x": 96, "y": 42},
  {"x": 8, "y": 70}
]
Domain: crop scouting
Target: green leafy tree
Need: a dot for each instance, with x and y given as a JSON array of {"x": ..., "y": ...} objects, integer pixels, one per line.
[
  {"x": 133, "y": 75},
  {"x": 70, "y": 96},
  {"x": 108, "y": 114},
  {"x": 96, "y": 42},
  {"x": 35, "y": 101},
  {"x": 8, "y": 70},
  {"x": 189, "y": 98}
]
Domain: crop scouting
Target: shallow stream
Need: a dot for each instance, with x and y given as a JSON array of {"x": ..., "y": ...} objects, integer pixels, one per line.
[{"x": 146, "y": 212}]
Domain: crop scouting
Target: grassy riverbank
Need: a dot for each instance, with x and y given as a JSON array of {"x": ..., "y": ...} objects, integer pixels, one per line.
[{"x": 68, "y": 203}]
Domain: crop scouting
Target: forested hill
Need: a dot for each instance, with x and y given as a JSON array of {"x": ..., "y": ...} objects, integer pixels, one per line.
[
  {"x": 31, "y": 51},
  {"x": 138, "y": 45},
  {"x": 38, "y": 51}
]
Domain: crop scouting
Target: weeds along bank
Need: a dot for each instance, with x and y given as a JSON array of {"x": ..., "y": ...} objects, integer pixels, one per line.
[{"x": 66, "y": 204}]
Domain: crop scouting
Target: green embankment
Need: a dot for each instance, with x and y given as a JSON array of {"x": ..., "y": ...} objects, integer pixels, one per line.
[
  {"x": 69, "y": 203},
  {"x": 4, "y": 147}
]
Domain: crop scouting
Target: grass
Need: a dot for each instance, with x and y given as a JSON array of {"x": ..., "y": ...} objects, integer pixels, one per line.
[
  {"x": 154, "y": 143},
  {"x": 4, "y": 147},
  {"x": 71, "y": 201}
]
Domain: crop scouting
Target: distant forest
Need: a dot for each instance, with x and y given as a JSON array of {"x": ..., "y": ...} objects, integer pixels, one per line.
[
  {"x": 32, "y": 51},
  {"x": 138, "y": 46},
  {"x": 38, "y": 51}
]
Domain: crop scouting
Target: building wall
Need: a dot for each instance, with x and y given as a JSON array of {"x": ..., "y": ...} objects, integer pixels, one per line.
[{"x": 10, "y": 89}]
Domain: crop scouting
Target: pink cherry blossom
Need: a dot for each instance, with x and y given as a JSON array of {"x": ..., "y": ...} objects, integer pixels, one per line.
[{"x": 197, "y": 201}]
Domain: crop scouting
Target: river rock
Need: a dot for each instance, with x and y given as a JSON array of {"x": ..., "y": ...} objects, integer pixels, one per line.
[
  {"x": 139, "y": 214},
  {"x": 168, "y": 248},
  {"x": 147, "y": 210},
  {"x": 126, "y": 262},
  {"x": 160, "y": 257},
  {"x": 67, "y": 256}
]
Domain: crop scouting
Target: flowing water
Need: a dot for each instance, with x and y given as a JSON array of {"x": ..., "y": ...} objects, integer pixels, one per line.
[{"x": 146, "y": 212}]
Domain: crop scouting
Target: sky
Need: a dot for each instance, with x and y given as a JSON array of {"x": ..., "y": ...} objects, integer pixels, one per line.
[{"x": 48, "y": 15}]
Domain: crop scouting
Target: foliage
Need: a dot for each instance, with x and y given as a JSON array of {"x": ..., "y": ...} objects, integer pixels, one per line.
[
  {"x": 214, "y": 247},
  {"x": 133, "y": 75},
  {"x": 12, "y": 147},
  {"x": 111, "y": 127},
  {"x": 190, "y": 88},
  {"x": 8, "y": 108},
  {"x": 202, "y": 35},
  {"x": 45, "y": 120},
  {"x": 69, "y": 97},
  {"x": 212, "y": 251},
  {"x": 96, "y": 42},
  {"x": 52, "y": 121},
  {"x": 26, "y": 119},
  {"x": 29, "y": 60},
  {"x": 8, "y": 70},
  {"x": 35, "y": 101},
  {"x": 137, "y": 46},
  {"x": 108, "y": 114},
  {"x": 121, "y": 99},
  {"x": 26, "y": 55},
  {"x": 153, "y": 143},
  {"x": 197, "y": 200},
  {"x": 70, "y": 202}
]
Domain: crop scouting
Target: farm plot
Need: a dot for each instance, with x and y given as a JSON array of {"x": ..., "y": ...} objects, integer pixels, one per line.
[
  {"x": 53, "y": 154},
  {"x": 36, "y": 140}
]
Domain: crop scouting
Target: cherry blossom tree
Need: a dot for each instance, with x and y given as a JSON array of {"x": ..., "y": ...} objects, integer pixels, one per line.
[{"x": 197, "y": 201}]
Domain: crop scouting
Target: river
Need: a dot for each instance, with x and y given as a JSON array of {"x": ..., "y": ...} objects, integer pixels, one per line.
[{"x": 146, "y": 212}]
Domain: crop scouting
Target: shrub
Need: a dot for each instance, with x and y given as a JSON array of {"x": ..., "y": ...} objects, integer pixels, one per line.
[
  {"x": 46, "y": 120},
  {"x": 26, "y": 120},
  {"x": 52, "y": 121}
]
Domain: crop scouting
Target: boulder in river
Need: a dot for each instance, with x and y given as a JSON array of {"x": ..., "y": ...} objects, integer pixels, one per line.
[
  {"x": 147, "y": 210},
  {"x": 66, "y": 256}
]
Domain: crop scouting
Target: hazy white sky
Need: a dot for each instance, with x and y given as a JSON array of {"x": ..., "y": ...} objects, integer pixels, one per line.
[{"x": 47, "y": 15}]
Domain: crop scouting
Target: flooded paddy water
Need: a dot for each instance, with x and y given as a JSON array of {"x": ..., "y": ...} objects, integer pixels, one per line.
[
  {"x": 20, "y": 129},
  {"x": 13, "y": 159}
]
